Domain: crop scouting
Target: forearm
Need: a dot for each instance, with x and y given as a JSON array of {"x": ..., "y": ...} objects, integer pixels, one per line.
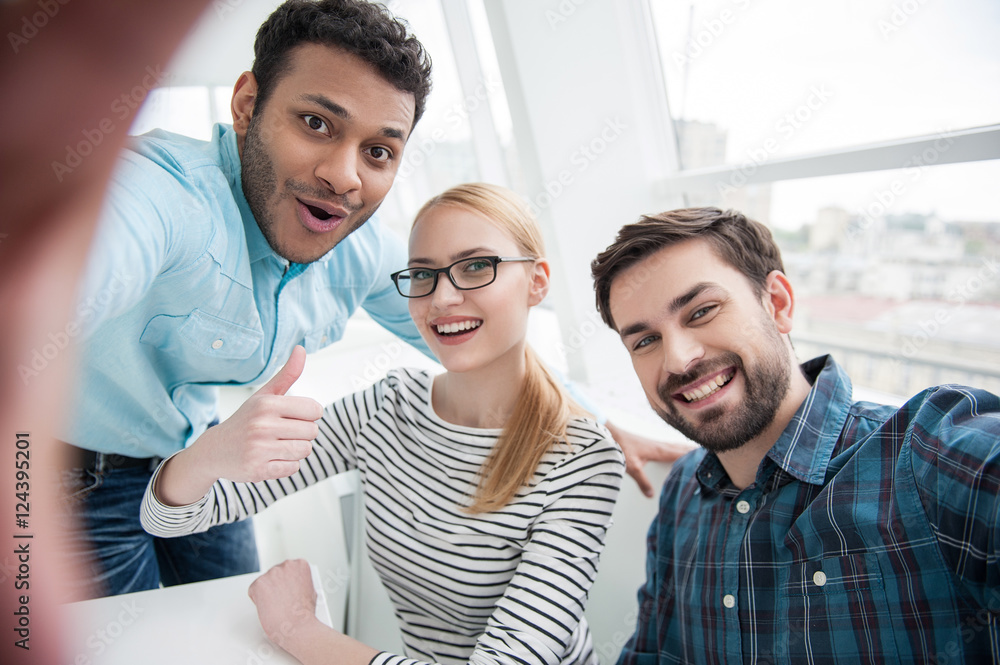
[
  {"x": 184, "y": 479},
  {"x": 223, "y": 502},
  {"x": 313, "y": 643},
  {"x": 286, "y": 605}
]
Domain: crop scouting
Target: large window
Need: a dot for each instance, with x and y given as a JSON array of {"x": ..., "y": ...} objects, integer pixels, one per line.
[{"x": 892, "y": 107}]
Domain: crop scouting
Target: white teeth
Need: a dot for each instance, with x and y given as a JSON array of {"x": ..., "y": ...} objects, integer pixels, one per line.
[
  {"x": 708, "y": 388},
  {"x": 450, "y": 328}
]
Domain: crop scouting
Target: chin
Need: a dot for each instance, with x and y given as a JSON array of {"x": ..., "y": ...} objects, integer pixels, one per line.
[
  {"x": 300, "y": 254},
  {"x": 458, "y": 363}
]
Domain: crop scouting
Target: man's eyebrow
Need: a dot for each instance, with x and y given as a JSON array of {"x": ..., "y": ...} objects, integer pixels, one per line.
[
  {"x": 689, "y": 295},
  {"x": 339, "y": 111},
  {"x": 675, "y": 305},
  {"x": 330, "y": 105}
]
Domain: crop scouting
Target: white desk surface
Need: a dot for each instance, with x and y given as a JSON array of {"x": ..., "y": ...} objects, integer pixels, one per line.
[{"x": 212, "y": 622}]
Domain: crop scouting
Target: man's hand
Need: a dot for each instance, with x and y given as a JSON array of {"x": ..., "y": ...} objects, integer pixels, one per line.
[
  {"x": 268, "y": 434},
  {"x": 265, "y": 439},
  {"x": 639, "y": 450}
]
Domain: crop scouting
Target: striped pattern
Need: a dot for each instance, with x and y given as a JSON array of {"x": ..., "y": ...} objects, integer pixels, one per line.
[
  {"x": 871, "y": 535},
  {"x": 508, "y": 586}
]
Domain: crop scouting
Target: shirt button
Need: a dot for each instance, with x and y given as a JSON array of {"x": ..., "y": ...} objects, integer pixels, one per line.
[
  {"x": 729, "y": 600},
  {"x": 743, "y": 507},
  {"x": 819, "y": 578},
  {"x": 324, "y": 339},
  {"x": 217, "y": 344}
]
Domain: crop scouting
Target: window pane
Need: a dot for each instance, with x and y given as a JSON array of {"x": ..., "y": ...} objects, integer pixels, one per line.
[
  {"x": 181, "y": 109},
  {"x": 802, "y": 77},
  {"x": 897, "y": 273},
  {"x": 439, "y": 154}
]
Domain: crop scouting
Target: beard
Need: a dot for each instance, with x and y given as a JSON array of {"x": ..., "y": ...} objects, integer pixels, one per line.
[
  {"x": 719, "y": 429},
  {"x": 260, "y": 188}
]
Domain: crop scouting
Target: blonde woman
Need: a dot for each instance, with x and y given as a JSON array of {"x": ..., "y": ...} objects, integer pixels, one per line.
[{"x": 488, "y": 491}]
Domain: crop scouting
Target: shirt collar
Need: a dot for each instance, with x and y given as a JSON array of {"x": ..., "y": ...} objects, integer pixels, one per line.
[{"x": 805, "y": 446}]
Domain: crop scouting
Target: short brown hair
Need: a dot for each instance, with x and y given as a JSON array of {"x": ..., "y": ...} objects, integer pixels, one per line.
[{"x": 743, "y": 243}]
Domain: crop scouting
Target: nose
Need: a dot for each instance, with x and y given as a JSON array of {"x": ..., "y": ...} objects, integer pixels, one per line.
[
  {"x": 338, "y": 168},
  {"x": 681, "y": 351},
  {"x": 446, "y": 295}
]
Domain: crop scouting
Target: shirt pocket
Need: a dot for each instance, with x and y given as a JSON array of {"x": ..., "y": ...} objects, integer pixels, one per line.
[
  {"x": 837, "y": 607},
  {"x": 200, "y": 334},
  {"x": 323, "y": 337}
]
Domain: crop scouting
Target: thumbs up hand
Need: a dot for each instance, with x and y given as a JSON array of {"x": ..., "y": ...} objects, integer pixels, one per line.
[{"x": 265, "y": 439}]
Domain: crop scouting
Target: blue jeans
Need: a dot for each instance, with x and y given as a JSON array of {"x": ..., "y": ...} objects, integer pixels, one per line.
[{"x": 106, "y": 540}]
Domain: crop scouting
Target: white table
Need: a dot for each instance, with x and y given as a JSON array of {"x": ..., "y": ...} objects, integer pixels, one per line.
[{"x": 212, "y": 622}]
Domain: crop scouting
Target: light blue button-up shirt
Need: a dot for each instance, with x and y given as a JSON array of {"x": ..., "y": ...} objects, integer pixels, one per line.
[{"x": 182, "y": 295}]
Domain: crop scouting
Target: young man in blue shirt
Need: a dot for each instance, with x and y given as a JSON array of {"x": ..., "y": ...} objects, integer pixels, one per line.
[
  {"x": 809, "y": 527},
  {"x": 213, "y": 260}
]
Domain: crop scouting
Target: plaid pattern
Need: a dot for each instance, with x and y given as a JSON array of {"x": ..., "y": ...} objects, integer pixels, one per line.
[{"x": 871, "y": 535}]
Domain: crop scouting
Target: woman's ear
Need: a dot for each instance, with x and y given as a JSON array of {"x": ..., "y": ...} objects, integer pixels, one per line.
[
  {"x": 242, "y": 105},
  {"x": 779, "y": 300},
  {"x": 539, "y": 287}
]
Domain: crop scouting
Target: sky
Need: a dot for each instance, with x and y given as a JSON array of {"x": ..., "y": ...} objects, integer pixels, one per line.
[{"x": 806, "y": 77}]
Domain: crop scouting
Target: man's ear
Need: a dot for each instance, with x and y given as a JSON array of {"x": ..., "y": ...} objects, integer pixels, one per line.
[
  {"x": 539, "y": 282},
  {"x": 779, "y": 300},
  {"x": 244, "y": 98}
]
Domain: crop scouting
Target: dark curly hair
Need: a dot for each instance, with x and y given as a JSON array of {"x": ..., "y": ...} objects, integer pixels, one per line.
[
  {"x": 743, "y": 243},
  {"x": 367, "y": 30}
]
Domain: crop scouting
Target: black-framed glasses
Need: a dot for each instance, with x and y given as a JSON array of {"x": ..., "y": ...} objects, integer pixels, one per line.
[{"x": 465, "y": 275}]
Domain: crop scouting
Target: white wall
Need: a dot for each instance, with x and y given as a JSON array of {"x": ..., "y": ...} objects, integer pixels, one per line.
[{"x": 593, "y": 136}]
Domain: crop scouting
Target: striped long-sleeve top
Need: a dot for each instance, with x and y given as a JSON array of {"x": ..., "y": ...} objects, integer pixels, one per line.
[{"x": 507, "y": 586}]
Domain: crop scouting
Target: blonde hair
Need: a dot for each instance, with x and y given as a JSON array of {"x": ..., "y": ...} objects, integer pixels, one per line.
[{"x": 543, "y": 408}]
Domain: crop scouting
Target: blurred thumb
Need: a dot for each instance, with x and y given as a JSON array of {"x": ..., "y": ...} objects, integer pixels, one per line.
[{"x": 287, "y": 375}]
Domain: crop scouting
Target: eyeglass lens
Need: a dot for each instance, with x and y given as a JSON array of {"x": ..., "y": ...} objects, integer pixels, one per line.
[{"x": 468, "y": 274}]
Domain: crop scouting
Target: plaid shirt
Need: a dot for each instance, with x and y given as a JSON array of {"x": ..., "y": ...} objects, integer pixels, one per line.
[{"x": 870, "y": 535}]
